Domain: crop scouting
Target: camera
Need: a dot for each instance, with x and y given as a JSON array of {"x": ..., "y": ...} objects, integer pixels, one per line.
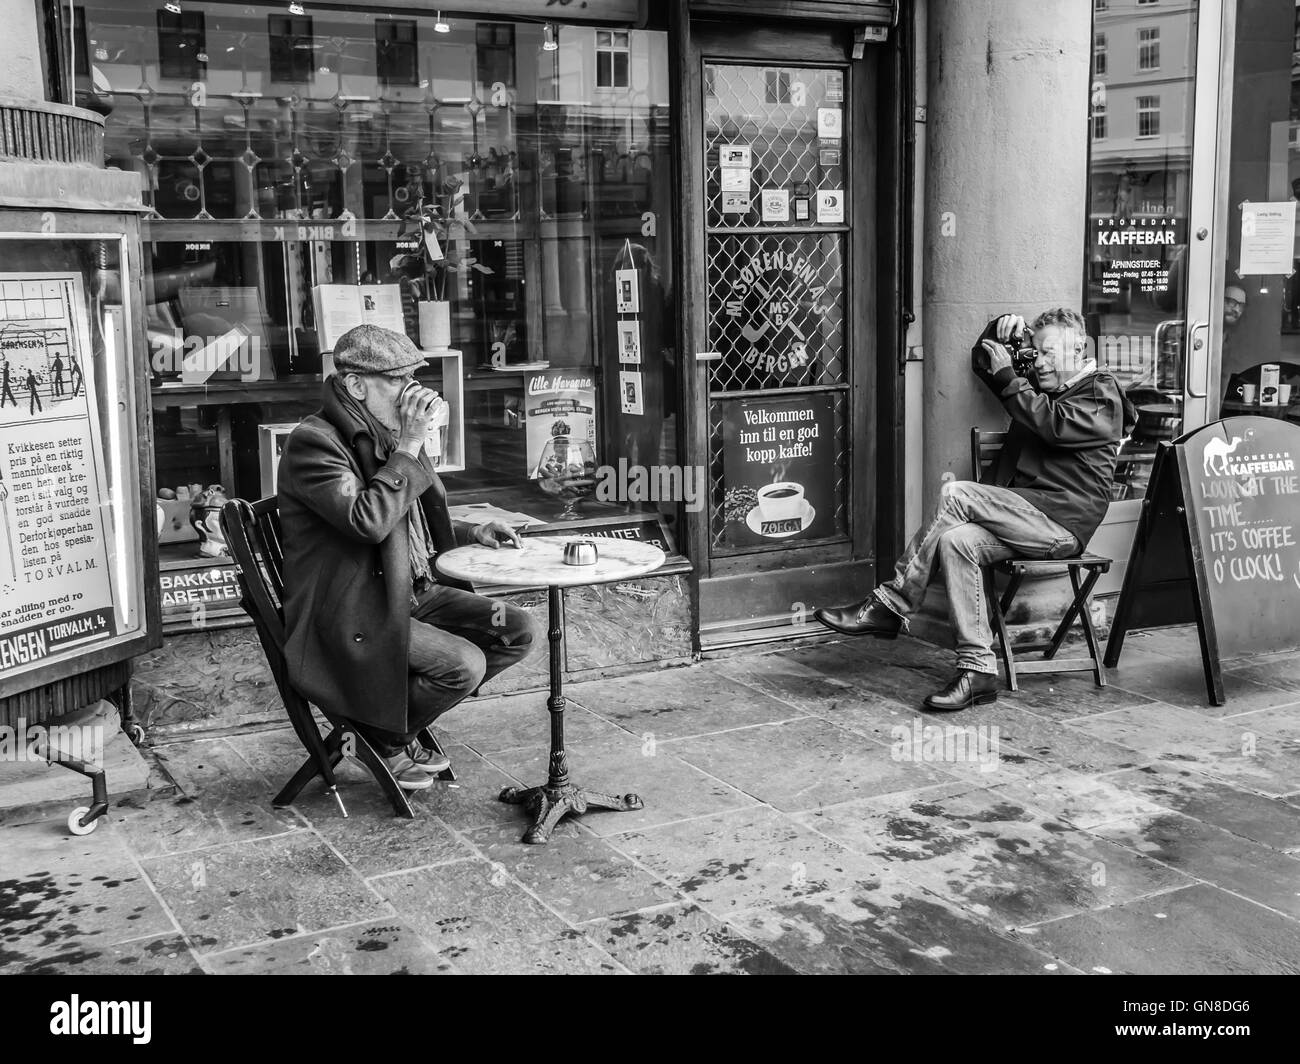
[{"x": 1017, "y": 344}]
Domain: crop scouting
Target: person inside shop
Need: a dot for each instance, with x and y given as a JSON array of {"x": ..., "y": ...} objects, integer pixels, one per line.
[
  {"x": 1050, "y": 492},
  {"x": 373, "y": 633}
]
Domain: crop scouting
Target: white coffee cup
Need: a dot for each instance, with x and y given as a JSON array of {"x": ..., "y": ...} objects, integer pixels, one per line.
[
  {"x": 1247, "y": 393},
  {"x": 782, "y": 501},
  {"x": 1284, "y": 394}
]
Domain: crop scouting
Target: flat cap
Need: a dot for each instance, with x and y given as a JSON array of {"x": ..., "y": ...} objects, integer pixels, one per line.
[{"x": 373, "y": 349}]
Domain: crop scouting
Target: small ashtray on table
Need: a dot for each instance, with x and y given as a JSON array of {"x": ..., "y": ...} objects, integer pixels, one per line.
[{"x": 558, "y": 562}]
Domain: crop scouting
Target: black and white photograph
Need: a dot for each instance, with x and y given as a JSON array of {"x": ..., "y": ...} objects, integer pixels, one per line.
[{"x": 650, "y": 487}]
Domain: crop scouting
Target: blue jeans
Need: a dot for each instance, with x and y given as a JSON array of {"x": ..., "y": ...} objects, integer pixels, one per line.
[
  {"x": 975, "y": 525},
  {"x": 459, "y": 641}
]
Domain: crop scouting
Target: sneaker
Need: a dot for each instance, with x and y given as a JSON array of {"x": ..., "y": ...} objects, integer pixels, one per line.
[
  {"x": 409, "y": 775},
  {"x": 430, "y": 761}
]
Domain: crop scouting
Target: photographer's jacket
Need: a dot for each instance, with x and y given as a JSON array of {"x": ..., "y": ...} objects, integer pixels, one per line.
[
  {"x": 1060, "y": 449},
  {"x": 347, "y": 568}
]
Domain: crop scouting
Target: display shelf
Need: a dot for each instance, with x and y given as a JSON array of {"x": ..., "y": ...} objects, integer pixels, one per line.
[{"x": 274, "y": 230}]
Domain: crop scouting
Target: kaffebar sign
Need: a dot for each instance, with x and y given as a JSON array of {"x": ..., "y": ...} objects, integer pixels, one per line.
[{"x": 1228, "y": 495}]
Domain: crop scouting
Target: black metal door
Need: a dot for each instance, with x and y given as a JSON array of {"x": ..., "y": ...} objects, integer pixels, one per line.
[{"x": 780, "y": 176}]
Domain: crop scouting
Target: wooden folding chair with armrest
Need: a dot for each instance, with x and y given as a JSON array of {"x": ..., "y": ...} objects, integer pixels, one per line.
[
  {"x": 985, "y": 449},
  {"x": 253, "y": 535}
]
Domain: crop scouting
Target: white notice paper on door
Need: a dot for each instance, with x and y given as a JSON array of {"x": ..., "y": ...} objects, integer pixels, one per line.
[
  {"x": 830, "y": 205},
  {"x": 776, "y": 204},
  {"x": 1267, "y": 238},
  {"x": 735, "y": 180}
]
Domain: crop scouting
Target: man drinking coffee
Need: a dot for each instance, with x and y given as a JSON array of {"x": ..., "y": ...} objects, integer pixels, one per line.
[{"x": 374, "y": 634}]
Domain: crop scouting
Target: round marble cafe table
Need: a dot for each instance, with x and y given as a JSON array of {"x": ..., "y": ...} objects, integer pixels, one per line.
[{"x": 541, "y": 561}]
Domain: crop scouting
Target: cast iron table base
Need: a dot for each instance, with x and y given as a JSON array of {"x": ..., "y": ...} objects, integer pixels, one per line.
[{"x": 559, "y": 797}]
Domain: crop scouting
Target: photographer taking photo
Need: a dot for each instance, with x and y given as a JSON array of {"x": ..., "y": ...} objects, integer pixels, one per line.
[{"x": 1049, "y": 493}]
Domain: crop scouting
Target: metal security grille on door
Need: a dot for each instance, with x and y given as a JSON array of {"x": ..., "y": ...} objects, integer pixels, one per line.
[{"x": 777, "y": 229}]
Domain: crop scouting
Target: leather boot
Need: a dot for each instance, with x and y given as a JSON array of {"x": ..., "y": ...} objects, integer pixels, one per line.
[
  {"x": 868, "y": 617},
  {"x": 964, "y": 690}
]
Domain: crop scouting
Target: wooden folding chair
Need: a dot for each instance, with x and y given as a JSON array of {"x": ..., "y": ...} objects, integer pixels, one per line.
[
  {"x": 985, "y": 449},
  {"x": 253, "y": 535}
]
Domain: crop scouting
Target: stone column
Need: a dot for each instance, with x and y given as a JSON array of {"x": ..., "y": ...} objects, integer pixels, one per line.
[
  {"x": 1006, "y": 171},
  {"x": 1005, "y": 182},
  {"x": 20, "y": 54}
]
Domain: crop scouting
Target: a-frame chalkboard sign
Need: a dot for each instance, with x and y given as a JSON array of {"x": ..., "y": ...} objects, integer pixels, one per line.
[{"x": 1217, "y": 543}]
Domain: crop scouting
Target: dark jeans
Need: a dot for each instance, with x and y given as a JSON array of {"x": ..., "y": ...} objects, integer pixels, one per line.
[{"x": 459, "y": 640}]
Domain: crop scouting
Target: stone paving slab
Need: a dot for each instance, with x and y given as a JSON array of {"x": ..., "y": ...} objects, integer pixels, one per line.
[
  {"x": 248, "y": 892},
  {"x": 1171, "y": 784},
  {"x": 372, "y": 840},
  {"x": 675, "y": 703},
  {"x": 476, "y": 917},
  {"x": 490, "y": 725},
  {"x": 63, "y": 895},
  {"x": 671, "y": 789},
  {"x": 1001, "y": 860},
  {"x": 683, "y": 940},
  {"x": 803, "y": 764},
  {"x": 161, "y": 955},
  {"x": 746, "y": 859},
  {"x": 221, "y": 799},
  {"x": 1281, "y": 721},
  {"x": 882, "y": 672},
  {"x": 576, "y": 874},
  {"x": 1199, "y": 930},
  {"x": 1181, "y": 682},
  {"x": 1256, "y": 872},
  {"x": 1220, "y": 748},
  {"x": 1076, "y": 799},
  {"x": 380, "y": 947},
  {"x": 892, "y": 926}
]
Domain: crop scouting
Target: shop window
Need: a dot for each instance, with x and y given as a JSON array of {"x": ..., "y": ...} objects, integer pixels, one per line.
[
  {"x": 1149, "y": 48},
  {"x": 613, "y": 56},
  {"x": 182, "y": 45},
  {"x": 1148, "y": 116},
  {"x": 1144, "y": 3},
  {"x": 1100, "y": 5},
  {"x": 396, "y": 54},
  {"x": 777, "y": 86},
  {"x": 273, "y": 217},
  {"x": 1135, "y": 289},
  {"x": 495, "y": 54},
  {"x": 293, "y": 48}
]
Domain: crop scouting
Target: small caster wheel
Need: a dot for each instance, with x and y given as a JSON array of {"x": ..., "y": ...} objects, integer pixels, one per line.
[
  {"x": 135, "y": 732},
  {"x": 74, "y": 821}
]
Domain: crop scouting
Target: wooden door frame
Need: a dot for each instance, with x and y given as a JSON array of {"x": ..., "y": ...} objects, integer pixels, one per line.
[{"x": 874, "y": 261}]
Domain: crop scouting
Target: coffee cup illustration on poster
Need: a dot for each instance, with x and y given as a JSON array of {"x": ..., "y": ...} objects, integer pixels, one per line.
[{"x": 778, "y": 460}]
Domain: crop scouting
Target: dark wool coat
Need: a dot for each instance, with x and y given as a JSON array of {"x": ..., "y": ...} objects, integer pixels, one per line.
[{"x": 347, "y": 569}]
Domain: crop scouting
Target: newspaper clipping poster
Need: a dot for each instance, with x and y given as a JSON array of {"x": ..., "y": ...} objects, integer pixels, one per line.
[{"x": 56, "y": 580}]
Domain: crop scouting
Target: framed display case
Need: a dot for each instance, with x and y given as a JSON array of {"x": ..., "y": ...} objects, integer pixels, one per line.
[{"x": 76, "y": 530}]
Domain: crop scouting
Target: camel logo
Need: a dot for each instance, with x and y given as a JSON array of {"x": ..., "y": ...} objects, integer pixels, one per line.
[
  {"x": 775, "y": 303},
  {"x": 1220, "y": 459},
  {"x": 1215, "y": 456}
]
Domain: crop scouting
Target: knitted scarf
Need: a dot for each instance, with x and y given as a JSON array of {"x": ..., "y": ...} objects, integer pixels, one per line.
[{"x": 373, "y": 443}]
